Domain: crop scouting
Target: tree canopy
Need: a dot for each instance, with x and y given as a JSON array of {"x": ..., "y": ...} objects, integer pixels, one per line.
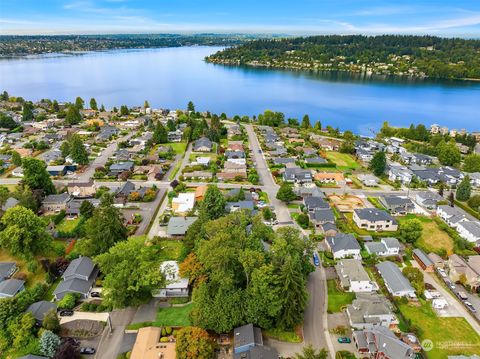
[
  {"x": 35, "y": 175},
  {"x": 194, "y": 343},
  {"x": 378, "y": 164}
]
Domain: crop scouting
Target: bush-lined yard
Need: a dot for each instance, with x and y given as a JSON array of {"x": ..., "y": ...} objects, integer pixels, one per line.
[{"x": 343, "y": 161}]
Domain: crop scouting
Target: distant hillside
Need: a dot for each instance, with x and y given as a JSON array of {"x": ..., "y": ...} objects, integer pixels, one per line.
[
  {"x": 27, "y": 45},
  {"x": 416, "y": 56}
]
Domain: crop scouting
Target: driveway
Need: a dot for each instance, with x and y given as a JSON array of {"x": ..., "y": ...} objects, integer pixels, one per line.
[{"x": 98, "y": 317}]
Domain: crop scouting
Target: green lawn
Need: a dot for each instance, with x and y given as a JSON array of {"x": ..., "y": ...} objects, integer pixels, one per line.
[
  {"x": 450, "y": 336},
  {"x": 174, "y": 316},
  {"x": 283, "y": 335},
  {"x": 67, "y": 225},
  {"x": 178, "y": 147},
  {"x": 433, "y": 238},
  {"x": 376, "y": 202},
  {"x": 337, "y": 299},
  {"x": 171, "y": 249},
  {"x": 343, "y": 161},
  {"x": 175, "y": 171}
]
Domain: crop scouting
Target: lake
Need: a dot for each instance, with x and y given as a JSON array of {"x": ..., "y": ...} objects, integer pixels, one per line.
[{"x": 170, "y": 77}]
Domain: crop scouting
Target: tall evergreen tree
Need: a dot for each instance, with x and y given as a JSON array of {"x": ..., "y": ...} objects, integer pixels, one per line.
[
  {"x": 306, "y": 122},
  {"x": 464, "y": 189},
  {"x": 93, "y": 104},
  {"x": 160, "y": 134},
  {"x": 79, "y": 103},
  {"x": 73, "y": 116},
  {"x": 378, "y": 164}
]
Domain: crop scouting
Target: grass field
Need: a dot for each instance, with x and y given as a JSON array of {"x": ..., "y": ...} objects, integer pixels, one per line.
[
  {"x": 171, "y": 250},
  {"x": 174, "y": 316},
  {"x": 283, "y": 335},
  {"x": 67, "y": 225},
  {"x": 433, "y": 238},
  {"x": 31, "y": 278},
  {"x": 450, "y": 336},
  {"x": 343, "y": 161},
  {"x": 336, "y": 298},
  {"x": 178, "y": 147}
]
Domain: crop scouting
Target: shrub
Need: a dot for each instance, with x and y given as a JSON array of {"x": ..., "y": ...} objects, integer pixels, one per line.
[
  {"x": 164, "y": 332},
  {"x": 163, "y": 340},
  {"x": 168, "y": 330},
  {"x": 68, "y": 301},
  {"x": 32, "y": 266}
]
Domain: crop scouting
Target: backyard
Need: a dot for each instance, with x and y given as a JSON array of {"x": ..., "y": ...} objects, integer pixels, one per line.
[
  {"x": 450, "y": 336},
  {"x": 343, "y": 161},
  {"x": 337, "y": 299},
  {"x": 178, "y": 147},
  {"x": 67, "y": 225},
  {"x": 170, "y": 316}
]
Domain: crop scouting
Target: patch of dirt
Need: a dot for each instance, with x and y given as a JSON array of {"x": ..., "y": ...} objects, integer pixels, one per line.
[
  {"x": 82, "y": 329},
  {"x": 346, "y": 203}
]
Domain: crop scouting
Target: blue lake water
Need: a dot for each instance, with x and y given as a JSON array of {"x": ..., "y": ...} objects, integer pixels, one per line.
[{"x": 169, "y": 78}]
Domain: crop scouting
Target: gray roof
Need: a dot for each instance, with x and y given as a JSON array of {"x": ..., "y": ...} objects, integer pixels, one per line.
[
  {"x": 391, "y": 242},
  {"x": 382, "y": 340},
  {"x": 298, "y": 174},
  {"x": 9, "y": 203},
  {"x": 240, "y": 205},
  {"x": 258, "y": 352},
  {"x": 57, "y": 198},
  {"x": 282, "y": 161},
  {"x": 351, "y": 270},
  {"x": 177, "y": 226},
  {"x": 375, "y": 247},
  {"x": 10, "y": 287},
  {"x": 422, "y": 256},
  {"x": 74, "y": 285},
  {"x": 367, "y": 307},
  {"x": 472, "y": 227},
  {"x": 429, "y": 195},
  {"x": 122, "y": 166},
  {"x": 397, "y": 201},
  {"x": 343, "y": 241},
  {"x": 31, "y": 356},
  {"x": 313, "y": 202},
  {"x": 39, "y": 309},
  {"x": 201, "y": 142},
  {"x": 374, "y": 215},
  {"x": 315, "y": 160},
  {"x": 324, "y": 215},
  {"x": 81, "y": 266},
  {"x": 247, "y": 335},
  {"x": 393, "y": 277},
  {"x": 6, "y": 269}
]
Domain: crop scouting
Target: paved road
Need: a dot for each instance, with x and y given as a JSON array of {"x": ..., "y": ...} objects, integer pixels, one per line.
[
  {"x": 111, "y": 344},
  {"x": 315, "y": 326}
]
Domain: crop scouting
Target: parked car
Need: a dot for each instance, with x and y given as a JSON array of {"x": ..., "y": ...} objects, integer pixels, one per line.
[
  {"x": 87, "y": 350},
  {"x": 462, "y": 295},
  {"x": 452, "y": 286},
  {"x": 95, "y": 294},
  {"x": 344, "y": 340},
  {"x": 259, "y": 151},
  {"x": 66, "y": 313},
  {"x": 316, "y": 260},
  {"x": 442, "y": 273},
  {"x": 470, "y": 307}
]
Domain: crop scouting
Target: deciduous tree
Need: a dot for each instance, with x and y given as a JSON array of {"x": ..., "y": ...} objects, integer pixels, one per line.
[
  {"x": 378, "y": 164},
  {"x": 464, "y": 190},
  {"x": 35, "y": 175},
  {"x": 410, "y": 230},
  {"x": 285, "y": 193},
  {"x": 194, "y": 343}
]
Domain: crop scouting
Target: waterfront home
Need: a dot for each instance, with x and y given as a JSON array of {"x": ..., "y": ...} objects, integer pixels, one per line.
[
  {"x": 353, "y": 277},
  {"x": 395, "y": 281},
  {"x": 374, "y": 219}
]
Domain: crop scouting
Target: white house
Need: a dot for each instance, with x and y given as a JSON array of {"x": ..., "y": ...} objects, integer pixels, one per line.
[
  {"x": 183, "y": 203},
  {"x": 176, "y": 286},
  {"x": 353, "y": 276},
  {"x": 344, "y": 245},
  {"x": 452, "y": 215},
  {"x": 387, "y": 247},
  {"x": 396, "y": 283},
  {"x": 469, "y": 230}
]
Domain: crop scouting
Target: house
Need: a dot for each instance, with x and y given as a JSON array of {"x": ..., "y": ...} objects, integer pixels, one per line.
[
  {"x": 248, "y": 344},
  {"x": 183, "y": 203},
  {"x": 56, "y": 202},
  {"x": 124, "y": 191},
  {"x": 322, "y": 216},
  {"x": 277, "y": 161},
  {"x": 353, "y": 277},
  {"x": 344, "y": 245},
  {"x": 308, "y": 192},
  {"x": 176, "y": 286},
  {"x": 400, "y": 173},
  {"x": 315, "y": 161},
  {"x": 374, "y": 219},
  {"x": 39, "y": 309},
  {"x": 82, "y": 190},
  {"x": 297, "y": 175},
  {"x": 368, "y": 180},
  {"x": 205, "y": 175},
  {"x": 57, "y": 170},
  {"x": 438, "y": 262},
  {"x": 175, "y": 136},
  {"x": 387, "y": 247},
  {"x": 203, "y": 144},
  {"x": 239, "y": 205},
  {"x": 117, "y": 168},
  {"x": 397, "y": 205},
  {"x": 178, "y": 226},
  {"x": 453, "y": 215},
  {"x": 469, "y": 230},
  {"x": 10, "y": 203},
  {"x": 200, "y": 192},
  {"x": 148, "y": 346},
  {"x": 469, "y": 269},
  {"x": 380, "y": 342},
  {"x": 11, "y": 287},
  {"x": 326, "y": 144},
  {"x": 106, "y": 133},
  {"x": 423, "y": 260},
  {"x": 370, "y": 310},
  {"x": 73, "y": 207},
  {"x": 428, "y": 199},
  {"x": 79, "y": 277},
  {"x": 202, "y": 161},
  {"x": 7, "y": 269},
  {"x": 396, "y": 283},
  {"x": 330, "y": 178},
  {"x": 314, "y": 203}
]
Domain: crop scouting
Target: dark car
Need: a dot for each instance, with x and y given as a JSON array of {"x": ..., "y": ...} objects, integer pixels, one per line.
[
  {"x": 259, "y": 151},
  {"x": 344, "y": 340},
  {"x": 66, "y": 313},
  {"x": 470, "y": 307},
  {"x": 87, "y": 350},
  {"x": 95, "y": 294}
]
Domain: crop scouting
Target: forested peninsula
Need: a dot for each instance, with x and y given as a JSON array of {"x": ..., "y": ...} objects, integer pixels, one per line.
[{"x": 414, "y": 56}]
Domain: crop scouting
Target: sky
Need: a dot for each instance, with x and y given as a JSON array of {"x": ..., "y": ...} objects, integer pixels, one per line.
[{"x": 299, "y": 17}]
